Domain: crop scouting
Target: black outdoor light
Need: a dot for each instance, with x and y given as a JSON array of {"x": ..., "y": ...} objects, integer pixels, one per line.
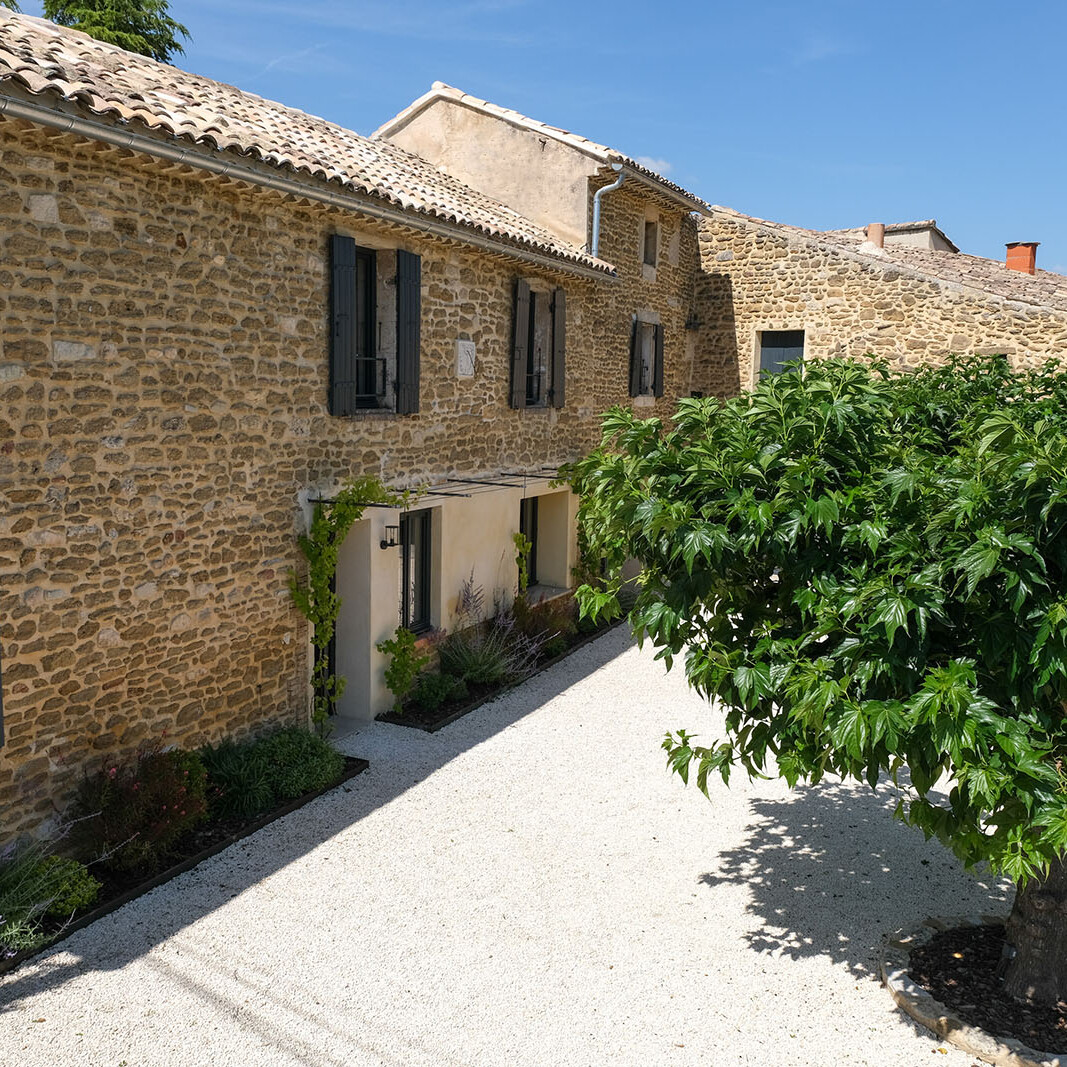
[{"x": 391, "y": 538}]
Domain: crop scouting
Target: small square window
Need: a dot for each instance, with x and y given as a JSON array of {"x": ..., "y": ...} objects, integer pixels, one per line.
[
  {"x": 778, "y": 348},
  {"x": 651, "y": 243}
]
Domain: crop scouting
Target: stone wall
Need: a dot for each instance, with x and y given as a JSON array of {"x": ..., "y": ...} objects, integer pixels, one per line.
[
  {"x": 759, "y": 277},
  {"x": 163, "y": 384},
  {"x": 666, "y": 295}
]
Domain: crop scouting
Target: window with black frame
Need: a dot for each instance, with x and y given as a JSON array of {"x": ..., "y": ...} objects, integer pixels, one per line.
[
  {"x": 538, "y": 349},
  {"x": 528, "y": 528},
  {"x": 369, "y": 367},
  {"x": 374, "y": 345},
  {"x": 415, "y": 562}
]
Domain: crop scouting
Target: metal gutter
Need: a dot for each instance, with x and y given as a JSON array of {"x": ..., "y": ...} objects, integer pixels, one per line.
[
  {"x": 216, "y": 162},
  {"x": 594, "y": 244}
]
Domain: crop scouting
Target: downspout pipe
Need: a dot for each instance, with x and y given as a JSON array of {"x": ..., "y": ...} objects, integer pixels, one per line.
[{"x": 594, "y": 248}]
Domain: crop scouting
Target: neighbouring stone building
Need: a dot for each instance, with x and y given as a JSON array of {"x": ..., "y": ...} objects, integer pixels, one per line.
[
  {"x": 214, "y": 311},
  {"x": 767, "y": 291}
]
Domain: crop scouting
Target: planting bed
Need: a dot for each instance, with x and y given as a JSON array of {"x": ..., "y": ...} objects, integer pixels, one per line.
[
  {"x": 203, "y": 841},
  {"x": 477, "y": 695}
]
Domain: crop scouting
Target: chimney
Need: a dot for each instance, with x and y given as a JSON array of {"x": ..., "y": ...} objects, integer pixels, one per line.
[
  {"x": 1022, "y": 255},
  {"x": 876, "y": 234}
]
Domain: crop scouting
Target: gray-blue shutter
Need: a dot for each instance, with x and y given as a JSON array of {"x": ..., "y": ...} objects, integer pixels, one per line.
[
  {"x": 520, "y": 344},
  {"x": 635, "y": 361},
  {"x": 408, "y": 330},
  {"x": 342, "y": 394},
  {"x": 559, "y": 348},
  {"x": 657, "y": 364}
]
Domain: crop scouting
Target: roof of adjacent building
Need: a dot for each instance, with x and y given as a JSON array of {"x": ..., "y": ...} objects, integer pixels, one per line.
[
  {"x": 975, "y": 273},
  {"x": 918, "y": 226},
  {"x": 601, "y": 153},
  {"x": 108, "y": 82}
]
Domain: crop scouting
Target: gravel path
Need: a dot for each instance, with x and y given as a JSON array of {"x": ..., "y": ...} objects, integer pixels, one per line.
[{"x": 528, "y": 886}]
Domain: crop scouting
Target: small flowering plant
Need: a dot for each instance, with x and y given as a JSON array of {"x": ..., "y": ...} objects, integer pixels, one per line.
[{"x": 133, "y": 812}]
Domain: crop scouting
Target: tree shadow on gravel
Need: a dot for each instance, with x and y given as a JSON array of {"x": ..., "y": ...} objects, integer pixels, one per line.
[
  {"x": 400, "y": 758},
  {"x": 830, "y": 871}
]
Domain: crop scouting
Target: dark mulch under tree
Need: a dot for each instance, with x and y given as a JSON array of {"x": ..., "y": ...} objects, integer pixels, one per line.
[{"x": 959, "y": 967}]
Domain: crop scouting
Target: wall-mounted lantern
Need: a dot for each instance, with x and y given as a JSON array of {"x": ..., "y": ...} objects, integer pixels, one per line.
[{"x": 391, "y": 538}]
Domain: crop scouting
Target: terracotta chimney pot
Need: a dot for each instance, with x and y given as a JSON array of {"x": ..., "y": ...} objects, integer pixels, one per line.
[
  {"x": 876, "y": 234},
  {"x": 1022, "y": 255}
]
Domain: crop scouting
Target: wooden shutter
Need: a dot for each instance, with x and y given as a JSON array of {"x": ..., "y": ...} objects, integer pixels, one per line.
[
  {"x": 342, "y": 392},
  {"x": 635, "y": 359},
  {"x": 408, "y": 330},
  {"x": 520, "y": 341},
  {"x": 657, "y": 366},
  {"x": 559, "y": 348}
]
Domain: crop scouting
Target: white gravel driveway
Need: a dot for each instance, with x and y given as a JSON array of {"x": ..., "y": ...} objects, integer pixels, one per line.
[{"x": 528, "y": 886}]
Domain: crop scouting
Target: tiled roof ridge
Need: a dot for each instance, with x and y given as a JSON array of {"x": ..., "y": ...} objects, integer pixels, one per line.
[
  {"x": 603, "y": 153},
  {"x": 1051, "y": 297},
  {"x": 104, "y": 80}
]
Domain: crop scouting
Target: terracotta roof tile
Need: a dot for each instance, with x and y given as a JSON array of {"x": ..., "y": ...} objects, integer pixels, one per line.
[{"x": 46, "y": 59}]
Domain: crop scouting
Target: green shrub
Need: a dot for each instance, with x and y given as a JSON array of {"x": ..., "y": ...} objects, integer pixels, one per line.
[
  {"x": 75, "y": 888},
  {"x": 555, "y": 646},
  {"x": 34, "y": 884},
  {"x": 299, "y": 762},
  {"x": 239, "y": 779},
  {"x": 404, "y": 664},
  {"x": 547, "y": 620},
  {"x": 132, "y": 814},
  {"x": 490, "y": 653},
  {"x": 433, "y": 689}
]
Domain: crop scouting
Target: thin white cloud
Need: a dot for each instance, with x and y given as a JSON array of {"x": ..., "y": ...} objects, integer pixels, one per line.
[
  {"x": 660, "y": 166},
  {"x": 293, "y": 62},
  {"x": 471, "y": 22},
  {"x": 816, "y": 49}
]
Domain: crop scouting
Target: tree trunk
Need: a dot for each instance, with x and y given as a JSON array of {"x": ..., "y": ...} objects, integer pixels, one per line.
[{"x": 1037, "y": 931}]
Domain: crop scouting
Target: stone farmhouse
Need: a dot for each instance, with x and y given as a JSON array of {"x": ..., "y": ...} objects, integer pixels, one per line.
[{"x": 215, "y": 310}]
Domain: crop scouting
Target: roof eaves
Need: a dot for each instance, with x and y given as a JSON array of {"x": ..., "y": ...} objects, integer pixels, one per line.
[{"x": 258, "y": 168}]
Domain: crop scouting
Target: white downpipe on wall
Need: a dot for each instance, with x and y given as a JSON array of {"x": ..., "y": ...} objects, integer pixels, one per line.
[{"x": 595, "y": 246}]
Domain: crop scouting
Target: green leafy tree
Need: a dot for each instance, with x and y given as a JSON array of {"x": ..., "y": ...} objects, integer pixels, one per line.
[
  {"x": 869, "y": 572},
  {"x": 10, "y": 4},
  {"x": 143, "y": 26}
]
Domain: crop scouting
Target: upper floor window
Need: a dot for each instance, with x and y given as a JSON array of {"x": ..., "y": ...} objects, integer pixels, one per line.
[
  {"x": 538, "y": 348},
  {"x": 651, "y": 243},
  {"x": 646, "y": 359},
  {"x": 375, "y": 312},
  {"x": 779, "y": 347}
]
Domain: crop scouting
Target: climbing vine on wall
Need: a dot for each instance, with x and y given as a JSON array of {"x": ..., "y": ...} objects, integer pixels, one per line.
[{"x": 316, "y": 597}]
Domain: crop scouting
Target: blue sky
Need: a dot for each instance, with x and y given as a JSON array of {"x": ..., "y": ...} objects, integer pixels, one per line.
[{"x": 822, "y": 114}]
